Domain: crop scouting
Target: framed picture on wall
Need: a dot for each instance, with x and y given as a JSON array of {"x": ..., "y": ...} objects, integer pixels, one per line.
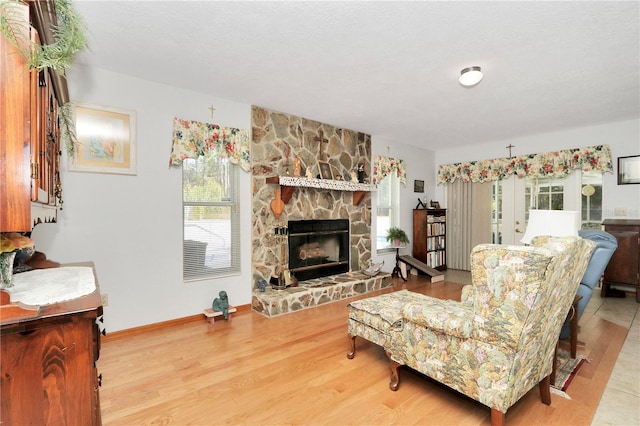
[
  {"x": 106, "y": 140},
  {"x": 629, "y": 170},
  {"x": 418, "y": 186},
  {"x": 325, "y": 170}
]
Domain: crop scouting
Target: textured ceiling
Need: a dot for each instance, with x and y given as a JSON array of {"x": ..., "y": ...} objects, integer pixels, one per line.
[{"x": 387, "y": 68}]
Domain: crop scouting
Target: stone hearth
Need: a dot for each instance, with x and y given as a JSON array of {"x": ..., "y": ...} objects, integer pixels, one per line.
[{"x": 316, "y": 292}]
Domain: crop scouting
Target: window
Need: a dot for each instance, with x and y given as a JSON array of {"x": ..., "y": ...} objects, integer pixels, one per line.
[
  {"x": 544, "y": 193},
  {"x": 591, "y": 192},
  {"x": 388, "y": 193},
  {"x": 211, "y": 216},
  {"x": 496, "y": 212}
]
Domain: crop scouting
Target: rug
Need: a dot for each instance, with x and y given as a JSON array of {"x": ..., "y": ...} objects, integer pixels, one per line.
[{"x": 566, "y": 371}]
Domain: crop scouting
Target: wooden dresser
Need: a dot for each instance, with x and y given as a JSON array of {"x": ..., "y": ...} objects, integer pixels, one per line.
[
  {"x": 624, "y": 266},
  {"x": 48, "y": 362}
]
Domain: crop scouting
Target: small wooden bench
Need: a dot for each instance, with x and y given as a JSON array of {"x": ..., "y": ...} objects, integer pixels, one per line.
[{"x": 212, "y": 315}]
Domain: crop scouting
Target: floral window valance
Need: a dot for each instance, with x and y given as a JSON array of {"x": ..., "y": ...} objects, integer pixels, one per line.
[
  {"x": 192, "y": 139},
  {"x": 384, "y": 166},
  {"x": 548, "y": 164}
]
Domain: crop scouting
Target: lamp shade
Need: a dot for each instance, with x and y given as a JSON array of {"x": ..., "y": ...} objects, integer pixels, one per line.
[{"x": 556, "y": 223}]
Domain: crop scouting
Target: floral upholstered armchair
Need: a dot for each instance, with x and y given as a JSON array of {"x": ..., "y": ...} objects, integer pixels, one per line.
[{"x": 499, "y": 341}]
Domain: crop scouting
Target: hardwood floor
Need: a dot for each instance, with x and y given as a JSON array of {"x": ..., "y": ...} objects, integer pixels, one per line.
[{"x": 293, "y": 369}]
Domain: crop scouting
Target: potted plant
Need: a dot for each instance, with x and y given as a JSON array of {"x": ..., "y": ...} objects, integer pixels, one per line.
[{"x": 397, "y": 236}]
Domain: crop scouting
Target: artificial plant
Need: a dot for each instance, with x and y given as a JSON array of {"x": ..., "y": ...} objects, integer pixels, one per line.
[
  {"x": 394, "y": 233},
  {"x": 68, "y": 39}
]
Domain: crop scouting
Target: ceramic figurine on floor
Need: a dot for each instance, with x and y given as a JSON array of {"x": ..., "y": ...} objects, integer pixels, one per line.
[{"x": 221, "y": 304}]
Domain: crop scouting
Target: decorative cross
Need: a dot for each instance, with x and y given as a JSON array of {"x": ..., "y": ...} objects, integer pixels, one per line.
[
  {"x": 212, "y": 109},
  {"x": 322, "y": 140},
  {"x": 509, "y": 147}
]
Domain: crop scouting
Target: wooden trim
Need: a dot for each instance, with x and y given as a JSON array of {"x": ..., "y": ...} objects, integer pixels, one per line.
[{"x": 158, "y": 325}]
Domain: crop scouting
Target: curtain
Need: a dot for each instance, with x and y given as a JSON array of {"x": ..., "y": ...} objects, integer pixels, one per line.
[
  {"x": 548, "y": 164},
  {"x": 192, "y": 139},
  {"x": 384, "y": 166},
  {"x": 468, "y": 221}
]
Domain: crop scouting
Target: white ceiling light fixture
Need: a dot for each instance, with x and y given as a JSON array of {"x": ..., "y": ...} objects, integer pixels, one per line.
[{"x": 470, "y": 76}]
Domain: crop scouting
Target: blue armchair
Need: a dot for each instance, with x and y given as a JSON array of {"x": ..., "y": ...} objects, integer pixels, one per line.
[{"x": 606, "y": 244}]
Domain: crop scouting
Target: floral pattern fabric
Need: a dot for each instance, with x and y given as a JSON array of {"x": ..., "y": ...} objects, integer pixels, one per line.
[
  {"x": 512, "y": 315},
  {"x": 384, "y": 166},
  {"x": 192, "y": 139},
  {"x": 548, "y": 164}
]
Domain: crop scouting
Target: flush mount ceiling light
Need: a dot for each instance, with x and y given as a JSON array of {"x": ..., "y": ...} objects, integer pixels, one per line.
[{"x": 470, "y": 76}]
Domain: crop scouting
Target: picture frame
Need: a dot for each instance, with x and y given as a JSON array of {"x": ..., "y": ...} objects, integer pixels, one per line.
[
  {"x": 325, "y": 170},
  {"x": 434, "y": 204},
  {"x": 629, "y": 170},
  {"x": 418, "y": 186},
  {"x": 106, "y": 140}
]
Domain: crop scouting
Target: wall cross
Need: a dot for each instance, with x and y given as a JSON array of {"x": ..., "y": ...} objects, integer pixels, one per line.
[
  {"x": 212, "y": 109},
  {"x": 509, "y": 148},
  {"x": 320, "y": 138}
]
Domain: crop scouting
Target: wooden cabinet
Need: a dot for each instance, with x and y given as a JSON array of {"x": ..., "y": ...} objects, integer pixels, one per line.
[
  {"x": 30, "y": 146},
  {"x": 429, "y": 237},
  {"x": 48, "y": 369},
  {"x": 624, "y": 266}
]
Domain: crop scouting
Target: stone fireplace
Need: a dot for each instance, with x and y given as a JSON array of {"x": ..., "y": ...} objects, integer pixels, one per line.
[{"x": 277, "y": 140}]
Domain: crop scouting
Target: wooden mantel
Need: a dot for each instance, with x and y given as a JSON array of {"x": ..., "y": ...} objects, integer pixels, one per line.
[{"x": 288, "y": 184}]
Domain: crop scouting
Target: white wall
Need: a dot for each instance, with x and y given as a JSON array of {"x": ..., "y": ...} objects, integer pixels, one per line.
[
  {"x": 623, "y": 137},
  {"x": 131, "y": 226},
  {"x": 420, "y": 164}
]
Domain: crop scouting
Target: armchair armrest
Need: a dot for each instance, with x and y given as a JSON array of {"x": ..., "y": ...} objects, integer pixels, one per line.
[
  {"x": 444, "y": 316},
  {"x": 467, "y": 294}
]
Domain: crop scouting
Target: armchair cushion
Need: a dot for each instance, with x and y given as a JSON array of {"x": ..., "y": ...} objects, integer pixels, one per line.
[{"x": 445, "y": 316}]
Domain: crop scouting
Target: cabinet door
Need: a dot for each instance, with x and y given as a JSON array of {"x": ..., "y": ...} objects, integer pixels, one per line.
[
  {"x": 623, "y": 266},
  {"x": 48, "y": 376},
  {"x": 45, "y": 147},
  {"x": 15, "y": 134}
]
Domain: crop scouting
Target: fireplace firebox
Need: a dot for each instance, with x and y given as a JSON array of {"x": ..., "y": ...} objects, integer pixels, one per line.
[{"x": 318, "y": 248}]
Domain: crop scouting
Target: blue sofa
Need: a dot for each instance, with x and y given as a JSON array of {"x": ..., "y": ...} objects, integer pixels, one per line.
[{"x": 606, "y": 245}]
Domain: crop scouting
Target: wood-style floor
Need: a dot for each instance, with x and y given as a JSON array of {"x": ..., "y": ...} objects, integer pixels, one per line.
[{"x": 293, "y": 369}]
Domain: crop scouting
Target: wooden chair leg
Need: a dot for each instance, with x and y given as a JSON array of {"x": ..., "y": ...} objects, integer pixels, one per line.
[
  {"x": 395, "y": 374},
  {"x": 545, "y": 390},
  {"x": 573, "y": 330},
  {"x": 352, "y": 353},
  {"x": 497, "y": 417}
]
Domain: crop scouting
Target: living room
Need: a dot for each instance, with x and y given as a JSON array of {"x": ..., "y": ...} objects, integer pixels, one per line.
[{"x": 131, "y": 226}]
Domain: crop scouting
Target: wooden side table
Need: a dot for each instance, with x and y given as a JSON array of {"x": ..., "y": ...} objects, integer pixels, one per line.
[
  {"x": 573, "y": 338},
  {"x": 573, "y": 326},
  {"x": 397, "y": 270}
]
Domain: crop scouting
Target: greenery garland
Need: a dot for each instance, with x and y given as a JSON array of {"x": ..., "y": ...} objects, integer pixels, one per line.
[
  {"x": 68, "y": 36},
  {"x": 68, "y": 39}
]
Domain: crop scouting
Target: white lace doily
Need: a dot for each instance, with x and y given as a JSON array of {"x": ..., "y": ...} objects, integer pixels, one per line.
[{"x": 47, "y": 286}]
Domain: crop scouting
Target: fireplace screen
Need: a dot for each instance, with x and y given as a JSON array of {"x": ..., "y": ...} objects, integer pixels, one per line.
[{"x": 318, "y": 248}]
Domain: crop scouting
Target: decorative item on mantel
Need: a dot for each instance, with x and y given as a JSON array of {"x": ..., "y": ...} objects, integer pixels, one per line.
[{"x": 14, "y": 247}]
